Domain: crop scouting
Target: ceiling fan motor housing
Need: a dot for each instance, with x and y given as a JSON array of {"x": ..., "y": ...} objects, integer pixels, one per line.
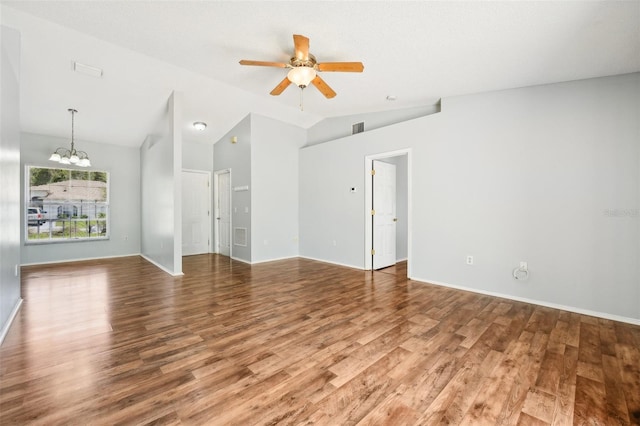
[{"x": 309, "y": 62}]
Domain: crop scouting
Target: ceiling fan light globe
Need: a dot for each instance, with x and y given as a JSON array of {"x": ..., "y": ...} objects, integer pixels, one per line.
[
  {"x": 65, "y": 160},
  {"x": 74, "y": 159},
  {"x": 301, "y": 76},
  {"x": 55, "y": 157}
]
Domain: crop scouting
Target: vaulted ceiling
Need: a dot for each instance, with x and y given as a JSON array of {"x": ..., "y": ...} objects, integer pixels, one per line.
[{"x": 417, "y": 52}]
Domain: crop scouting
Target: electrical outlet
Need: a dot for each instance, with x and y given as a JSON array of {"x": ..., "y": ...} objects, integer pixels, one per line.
[
  {"x": 469, "y": 260},
  {"x": 334, "y": 243}
]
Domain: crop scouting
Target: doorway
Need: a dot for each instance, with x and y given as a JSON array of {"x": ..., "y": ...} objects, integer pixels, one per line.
[
  {"x": 222, "y": 185},
  {"x": 196, "y": 208},
  {"x": 380, "y": 225}
]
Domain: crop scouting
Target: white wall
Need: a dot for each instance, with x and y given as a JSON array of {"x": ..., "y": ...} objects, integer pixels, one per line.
[
  {"x": 10, "y": 207},
  {"x": 546, "y": 174},
  {"x": 122, "y": 163},
  {"x": 237, "y": 158},
  {"x": 331, "y": 217},
  {"x": 274, "y": 181},
  {"x": 265, "y": 158},
  {"x": 161, "y": 191},
  {"x": 342, "y": 126},
  {"x": 197, "y": 156}
]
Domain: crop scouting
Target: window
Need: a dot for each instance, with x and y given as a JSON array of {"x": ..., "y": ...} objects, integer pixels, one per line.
[{"x": 66, "y": 205}]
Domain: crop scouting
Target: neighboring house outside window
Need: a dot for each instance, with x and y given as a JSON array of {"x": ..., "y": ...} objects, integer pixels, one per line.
[{"x": 66, "y": 205}]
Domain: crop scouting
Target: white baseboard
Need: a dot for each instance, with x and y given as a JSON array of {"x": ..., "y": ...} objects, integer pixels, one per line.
[
  {"x": 12, "y": 316},
  {"x": 333, "y": 263},
  {"x": 107, "y": 257},
  {"x": 241, "y": 260},
  {"x": 156, "y": 264},
  {"x": 275, "y": 259},
  {"x": 588, "y": 312},
  {"x": 80, "y": 259}
]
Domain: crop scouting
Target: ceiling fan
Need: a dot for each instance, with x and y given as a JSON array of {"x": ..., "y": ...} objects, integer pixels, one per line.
[{"x": 304, "y": 67}]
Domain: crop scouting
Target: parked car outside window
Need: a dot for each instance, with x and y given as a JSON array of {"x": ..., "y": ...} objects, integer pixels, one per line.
[{"x": 35, "y": 216}]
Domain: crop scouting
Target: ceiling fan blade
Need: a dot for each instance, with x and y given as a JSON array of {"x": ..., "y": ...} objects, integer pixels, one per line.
[
  {"x": 301, "y": 44},
  {"x": 323, "y": 87},
  {"x": 280, "y": 87},
  {"x": 263, "y": 63},
  {"x": 341, "y": 66}
]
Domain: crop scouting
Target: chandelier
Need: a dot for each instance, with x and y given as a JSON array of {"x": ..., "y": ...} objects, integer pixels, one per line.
[{"x": 71, "y": 156}]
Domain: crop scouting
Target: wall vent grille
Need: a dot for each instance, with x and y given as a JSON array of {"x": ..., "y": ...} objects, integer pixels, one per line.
[
  {"x": 357, "y": 128},
  {"x": 240, "y": 237}
]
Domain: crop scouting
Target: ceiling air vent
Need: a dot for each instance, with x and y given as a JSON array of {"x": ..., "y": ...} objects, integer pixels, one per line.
[
  {"x": 87, "y": 70},
  {"x": 357, "y": 128}
]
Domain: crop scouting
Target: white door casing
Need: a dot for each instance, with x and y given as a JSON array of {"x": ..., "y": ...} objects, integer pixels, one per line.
[
  {"x": 223, "y": 213},
  {"x": 384, "y": 214},
  {"x": 196, "y": 205}
]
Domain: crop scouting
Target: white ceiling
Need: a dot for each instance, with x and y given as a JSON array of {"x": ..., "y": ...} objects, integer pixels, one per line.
[{"x": 416, "y": 51}]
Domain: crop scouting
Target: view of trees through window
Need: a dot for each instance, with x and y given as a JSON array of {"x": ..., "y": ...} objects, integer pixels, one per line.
[{"x": 66, "y": 204}]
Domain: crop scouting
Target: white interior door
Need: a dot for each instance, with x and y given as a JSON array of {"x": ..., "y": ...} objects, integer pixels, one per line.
[
  {"x": 223, "y": 214},
  {"x": 384, "y": 215},
  {"x": 196, "y": 222}
]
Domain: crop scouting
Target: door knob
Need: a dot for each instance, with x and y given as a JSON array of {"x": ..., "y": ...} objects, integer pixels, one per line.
[{"x": 395, "y": 219}]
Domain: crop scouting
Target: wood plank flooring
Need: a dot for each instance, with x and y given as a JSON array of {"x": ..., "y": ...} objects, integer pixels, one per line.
[{"x": 299, "y": 342}]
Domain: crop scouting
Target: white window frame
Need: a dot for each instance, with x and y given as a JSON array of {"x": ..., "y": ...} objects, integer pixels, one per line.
[{"x": 96, "y": 228}]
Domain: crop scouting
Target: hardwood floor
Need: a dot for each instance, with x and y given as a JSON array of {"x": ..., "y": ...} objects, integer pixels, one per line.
[{"x": 301, "y": 342}]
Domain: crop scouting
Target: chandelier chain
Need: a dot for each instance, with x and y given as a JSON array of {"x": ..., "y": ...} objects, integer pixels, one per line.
[{"x": 73, "y": 115}]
